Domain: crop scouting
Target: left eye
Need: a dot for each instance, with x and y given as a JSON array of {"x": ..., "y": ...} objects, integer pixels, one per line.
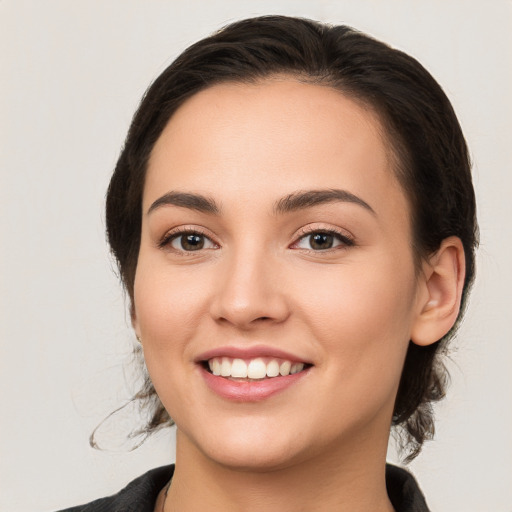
[
  {"x": 191, "y": 242},
  {"x": 321, "y": 241}
]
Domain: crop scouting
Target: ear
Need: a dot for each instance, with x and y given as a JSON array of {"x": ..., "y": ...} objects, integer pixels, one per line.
[{"x": 440, "y": 292}]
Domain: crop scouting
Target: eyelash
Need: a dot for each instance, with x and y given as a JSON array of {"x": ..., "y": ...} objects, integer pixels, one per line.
[
  {"x": 345, "y": 240},
  {"x": 172, "y": 235}
]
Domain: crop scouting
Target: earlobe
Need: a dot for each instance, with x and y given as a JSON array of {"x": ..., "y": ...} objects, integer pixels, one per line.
[{"x": 440, "y": 294}]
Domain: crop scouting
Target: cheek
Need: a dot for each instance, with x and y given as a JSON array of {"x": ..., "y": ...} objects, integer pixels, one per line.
[
  {"x": 361, "y": 317},
  {"x": 362, "y": 327},
  {"x": 167, "y": 303},
  {"x": 167, "y": 310},
  {"x": 367, "y": 294}
]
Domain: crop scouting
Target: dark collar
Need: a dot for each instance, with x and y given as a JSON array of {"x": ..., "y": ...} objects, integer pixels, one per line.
[
  {"x": 403, "y": 491},
  {"x": 138, "y": 496}
]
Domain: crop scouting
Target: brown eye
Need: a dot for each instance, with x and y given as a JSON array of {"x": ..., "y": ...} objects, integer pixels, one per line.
[
  {"x": 323, "y": 241},
  {"x": 191, "y": 242}
]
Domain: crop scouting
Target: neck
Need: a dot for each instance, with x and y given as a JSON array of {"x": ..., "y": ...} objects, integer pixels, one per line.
[{"x": 353, "y": 481}]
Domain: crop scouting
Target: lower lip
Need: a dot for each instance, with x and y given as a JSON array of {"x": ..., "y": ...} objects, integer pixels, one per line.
[{"x": 254, "y": 391}]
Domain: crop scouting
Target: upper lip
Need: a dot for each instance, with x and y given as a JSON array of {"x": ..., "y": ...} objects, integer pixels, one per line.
[{"x": 249, "y": 353}]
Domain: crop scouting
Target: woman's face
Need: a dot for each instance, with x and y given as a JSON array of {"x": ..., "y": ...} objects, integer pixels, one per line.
[{"x": 275, "y": 240}]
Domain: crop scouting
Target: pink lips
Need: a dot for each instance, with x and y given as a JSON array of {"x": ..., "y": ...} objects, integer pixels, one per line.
[{"x": 249, "y": 391}]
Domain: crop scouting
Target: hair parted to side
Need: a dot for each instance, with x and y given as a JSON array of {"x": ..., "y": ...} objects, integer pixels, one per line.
[{"x": 420, "y": 126}]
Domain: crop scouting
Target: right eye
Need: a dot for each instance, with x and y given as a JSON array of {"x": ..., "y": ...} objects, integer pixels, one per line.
[{"x": 189, "y": 241}]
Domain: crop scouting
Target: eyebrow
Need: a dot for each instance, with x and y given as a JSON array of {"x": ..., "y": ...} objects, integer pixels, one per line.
[
  {"x": 307, "y": 199},
  {"x": 296, "y": 201},
  {"x": 186, "y": 200}
]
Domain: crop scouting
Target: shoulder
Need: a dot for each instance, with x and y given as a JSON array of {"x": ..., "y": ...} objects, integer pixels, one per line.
[
  {"x": 138, "y": 496},
  {"x": 403, "y": 491}
]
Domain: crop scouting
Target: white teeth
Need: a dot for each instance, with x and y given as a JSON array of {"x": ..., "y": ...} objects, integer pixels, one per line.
[
  {"x": 272, "y": 369},
  {"x": 255, "y": 369},
  {"x": 296, "y": 368},
  {"x": 239, "y": 369},
  {"x": 284, "y": 369},
  {"x": 216, "y": 367},
  {"x": 225, "y": 369}
]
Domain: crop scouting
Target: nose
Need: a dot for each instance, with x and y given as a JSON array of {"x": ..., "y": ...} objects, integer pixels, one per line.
[{"x": 249, "y": 292}]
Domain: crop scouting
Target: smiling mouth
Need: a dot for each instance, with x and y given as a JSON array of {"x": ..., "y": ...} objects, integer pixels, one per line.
[{"x": 256, "y": 369}]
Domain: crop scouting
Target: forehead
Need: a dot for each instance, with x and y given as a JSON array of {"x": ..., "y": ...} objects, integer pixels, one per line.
[{"x": 276, "y": 134}]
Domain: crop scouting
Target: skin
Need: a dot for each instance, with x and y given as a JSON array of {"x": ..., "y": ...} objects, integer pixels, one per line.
[{"x": 349, "y": 310}]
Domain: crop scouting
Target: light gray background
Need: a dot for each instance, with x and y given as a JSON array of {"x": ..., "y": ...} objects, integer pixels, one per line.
[{"x": 72, "y": 73}]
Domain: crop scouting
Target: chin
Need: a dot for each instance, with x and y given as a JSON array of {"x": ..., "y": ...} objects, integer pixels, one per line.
[
  {"x": 255, "y": 461},
  {"x": 251, "y": 450}
]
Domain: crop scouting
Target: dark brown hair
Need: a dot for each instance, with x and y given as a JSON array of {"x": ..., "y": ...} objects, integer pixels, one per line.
[{"x": 419, "y": 123}]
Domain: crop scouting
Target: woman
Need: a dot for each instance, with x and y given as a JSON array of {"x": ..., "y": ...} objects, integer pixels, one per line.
[{"x": 294, "y": 222}]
